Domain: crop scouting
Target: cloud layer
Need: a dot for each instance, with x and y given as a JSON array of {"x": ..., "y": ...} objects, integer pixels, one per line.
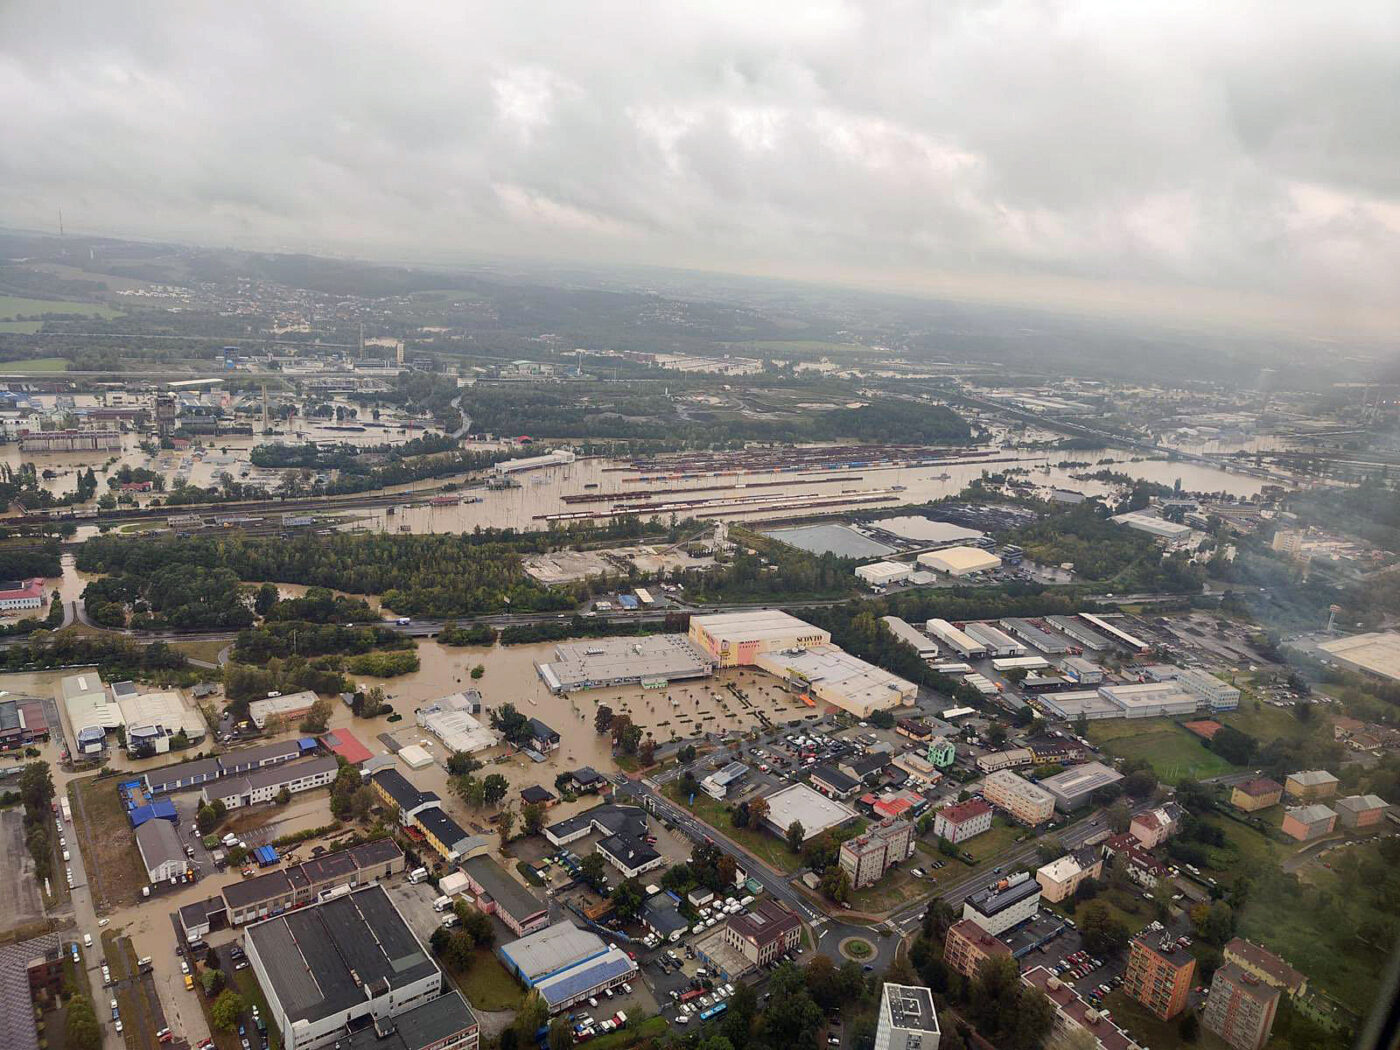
[{"x": 1251, "y": 148}]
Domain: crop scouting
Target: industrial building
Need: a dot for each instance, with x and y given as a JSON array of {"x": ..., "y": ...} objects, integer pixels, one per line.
[
  {"x": 963, "y": 820},
  {"x": 288, "y": 708},
  {"x": 814, "y": 811},
  {"x": 908, "y": 1020},
  {"x": 1159, "y": 976},
  {"x": 909, "y": 635},
  {"x": 240, "y": 761},
  {"x": 71, "y": 441},
  {"x": 1061, "y": 878},
  {"x": 1020, "y": 663},
  {"x": 1306, "y": 823},
  {"x": 967, "y": 945},
  {"x": 264, "y": 785},
  {"x": 599, "y": 663},
  {"x": 347, "y": 965},
  {"x": 89, "y": 706},
  {"x": 1240, "y": 1008},
  {"x": 500, "y": 895},
  {"x": 1081, "y": 671},
  {"x": 833, "y": 783},
  {"x": 567, "y": 965},
  {"x": 22, "y": 722},
  {"x": 997, "y": 642},
  {"x": 1026, "y": 802},
  {"x": 833, "y": 676},
  {"x": 1310, "y": 785},
  {"x": 960, "y": 561},
  {"x": 1081, "y": 632},
  {"x": 1150, "y": 699},
  {"x": 452, "y": 719},
  {"x": 958, "y": 640},
  {"x": 882, "y": 574},
  {"x": 162, "y": 852},
  {"x": 1376, "y": 653},
  {"x": 1004, "y": 904},
  {"x": 1033, "y": 636},
  {"x": 867, "y": 857},
  {"x": 718, "y": 783},
  {"x": 558, "y": 458},
  {"x": 1119, "y": 636},
  {"x": 1218, "y": 695},
  {"x": 1085, "y": 703},
  {"x": 1075, "y": 787},
  {"x": 737, "y": 639}
]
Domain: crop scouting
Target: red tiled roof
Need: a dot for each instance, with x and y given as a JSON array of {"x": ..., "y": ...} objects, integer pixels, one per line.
[
  {"x": 1261, "y": 786},
  {"x": 33, "y": 588},
  {"x": 342, "y": 742},
  {"x": 965, "y": 811}
]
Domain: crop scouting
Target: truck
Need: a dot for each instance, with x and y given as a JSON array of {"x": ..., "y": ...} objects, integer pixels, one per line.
[
  {"x": 404, "y": 621},
  {"x": 66, "y": 810},
  {"x": 442, "y": 903},
  {"x": 417, "y": 875}
]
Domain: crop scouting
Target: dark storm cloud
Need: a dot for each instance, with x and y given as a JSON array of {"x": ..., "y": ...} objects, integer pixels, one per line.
[{"x": 1251, "y": 147}]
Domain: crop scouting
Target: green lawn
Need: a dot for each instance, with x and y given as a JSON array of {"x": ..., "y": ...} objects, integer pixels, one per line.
[
  {"x": 486, "y": 984},
  {"x": 20, "y": 327},
  {"x": 635, "y": 1032},
  {"x": 1246, "y": 846},
  {"x": 1125, "y": 903},
  {"x": 1174, "y": 753},
  {"x": 1147, "y": 1030},
  {"x": 766, "y": 847},
  {"x": 12, "y": 306},
  {"x": 34, "y": 364}
]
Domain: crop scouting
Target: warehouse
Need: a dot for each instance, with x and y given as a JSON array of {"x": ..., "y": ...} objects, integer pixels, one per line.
[
  {"x": 1021, "y": 663},
  {"x": 499, "y": 894},
  {"x": 1376, "y": 653},
  {"x": 1218, "y": 695},
  {"x": 1081, "y": 670},
  {"x": 183, "y": 775},
  {"x": 1150, "y": 699},
  {"x": 998, "y": 643},
  {"x": 835, "y": 677},
  {"x": 601, "y": 663},
  {"x": 331, "y": 967},
  {"x": 1074, "y": 787},
  {"x": 452, "y": 720},
  {"x": 883, "y": 573},
  {"x": 287, "y": 708},
  {"x": 1153, "y": 526},
  {"x": 162, "y": 854},
  {"x": 960, "y": 561},
  {"x": 88, "y": 703},
  {"x": 737, "y": 639},
  {"x": 247, "y": 759},
  {"x": 297, "y": 884},
  {"x": 814, "y": 811},
  {"x": 1119, "y": 636},
  {"x": 1080, "y": 632},
  {"x": 567, "y": 965},
  {"x": 906, "y": 633},
  {"x": 1035, "y": 637},
  {"x": 957, "y": 640}
]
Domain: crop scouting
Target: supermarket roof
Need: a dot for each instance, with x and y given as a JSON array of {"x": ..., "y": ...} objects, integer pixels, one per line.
[
  {"x": 754, "y": 626},
  {"x": 813, "y": 810}
]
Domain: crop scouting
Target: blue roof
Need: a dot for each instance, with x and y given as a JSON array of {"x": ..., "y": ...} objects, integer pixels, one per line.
[
  {"x": 307, "y": 743},
  {"x": 161, "y": 808},
  {"x": 628, "y": 601},
  {"x": 587, "y": 975}
]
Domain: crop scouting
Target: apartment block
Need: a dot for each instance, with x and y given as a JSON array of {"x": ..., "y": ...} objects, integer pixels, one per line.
[
  {"x": 1260, "y": 793},
  {"x": 1265, "y": 965},
  {"x": 1159, "y": 976},
  {"x": 867, "y": 857},
  {"x": 967, "y": 944},
  {"x": 1240, "y": 1008},
  {"x": 1310, "y": 785},
  {"x": 963, "y": 820},
  {"x": 1061, "y": 878},
  {"x": 1023, "y": 800}
]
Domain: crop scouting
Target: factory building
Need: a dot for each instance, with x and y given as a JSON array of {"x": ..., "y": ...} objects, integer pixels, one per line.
[
  {"x": 558, "y": 458},
  {"x": 1005, "y": 904},
  {"x": 288, "y": 708},
  {"x": 1376, "y": 653},
  {"x": 1150, "y": 699},
  {"x": 567, "y": 965},
  {"x": 1033, "y": 636},
  {"x": 1153, "y": 526},
  {"x": 1218, "y": 695},
  {"x": 1119, "y": 636},
  {"x": 500, "y": 895},
  {"x": 1086, "y": 636},
  {"x": 1081, "y": 671},
  {"x": 883, "y": 574},
  {"x": 959, "y": 641},
  {"x": 452, "y": 719},
  {"x": 911, "y": 636},
  {"x": 71, "y": 441},
  {"x": 960, "y": 561}
]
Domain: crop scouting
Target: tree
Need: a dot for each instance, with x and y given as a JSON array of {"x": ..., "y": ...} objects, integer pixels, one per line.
[
  {"x": 647, "y": 752},
  {"x": 795, "y": 835},
  {"x": 758, "y": 812},
  {"x": 630, "y": 737},
  {"x": 459, "y": 764},
  {"x": 590, "y": 869},
  {"x": 836, "y": 883},
  {"x": 213, "y": 981},
  {"x": 227, "y": 1008},
  {"x": 478, "y": 671},
  {"x": 602, "y": 720},
  {"x": 318, "y": 717},
  {"x": 561, "y": 1036},
  {"x": 791, "y": 1018},
  {"x": 35, "y": 786},
  {"x": 81, "y": 1028},
  {"x": 494, "y": 788},
  {"x": 1140, "y": 783},
  {"x": 205, "y": 819},
  {"x": 1119, "y": 817},
  {"x": 628, "y": 898},
  {"x": 532, "y": 816},
  {"x": 265, "y": 599},
  {"x": 1215, "y": 922},
  {"x": 512, "y": 725},
  {"x": 283, "y": 797},
  {"x": 686, "y": 754},
  {"x": 1100, "y": 930},
  {"x": 530, "y": 1017},
  {"x": 506, "y": 824}
]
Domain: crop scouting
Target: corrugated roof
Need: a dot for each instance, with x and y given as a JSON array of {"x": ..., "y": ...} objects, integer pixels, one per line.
[{"x": 552, "y": 949}]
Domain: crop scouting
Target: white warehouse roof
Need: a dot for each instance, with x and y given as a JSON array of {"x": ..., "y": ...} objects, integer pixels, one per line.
[{"x": 959, "y": 561}]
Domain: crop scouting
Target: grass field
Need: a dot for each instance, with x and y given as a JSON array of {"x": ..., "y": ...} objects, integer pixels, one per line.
[
  {"x": 486, "y": 984},
  {"x": 1147, "y": 1030},
  {"x": 20, "y": 327},
  {"x": 35, "y": 364},
  {"x": 208, "y": 651},
  {"x": 12, "y": 307},
  {"x": 114, "y": 869},
  {"x": 762, "y": 845},
  {"x": 1174, "y": 754}
]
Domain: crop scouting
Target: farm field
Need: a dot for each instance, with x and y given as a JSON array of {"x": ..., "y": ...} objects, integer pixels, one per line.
[
  {"x": 12, "y": 307},
  {"x": 33, "y": 364}
]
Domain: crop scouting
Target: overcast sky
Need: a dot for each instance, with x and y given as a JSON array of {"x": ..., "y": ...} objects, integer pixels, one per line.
[{"x": 1139, "y": 151}]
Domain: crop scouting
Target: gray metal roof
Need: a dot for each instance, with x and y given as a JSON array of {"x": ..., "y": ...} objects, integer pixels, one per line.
[
  {"x": 159, "y": 844},
  {"x": 552, "y": 949},
  {"x": 508, "y": 894}
]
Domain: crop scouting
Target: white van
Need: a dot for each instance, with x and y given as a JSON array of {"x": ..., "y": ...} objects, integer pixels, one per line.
[
  {"x": 87, "y": 940},
  {"x": 417, "y": 875},
  {"x": 442, "y": 904}
]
